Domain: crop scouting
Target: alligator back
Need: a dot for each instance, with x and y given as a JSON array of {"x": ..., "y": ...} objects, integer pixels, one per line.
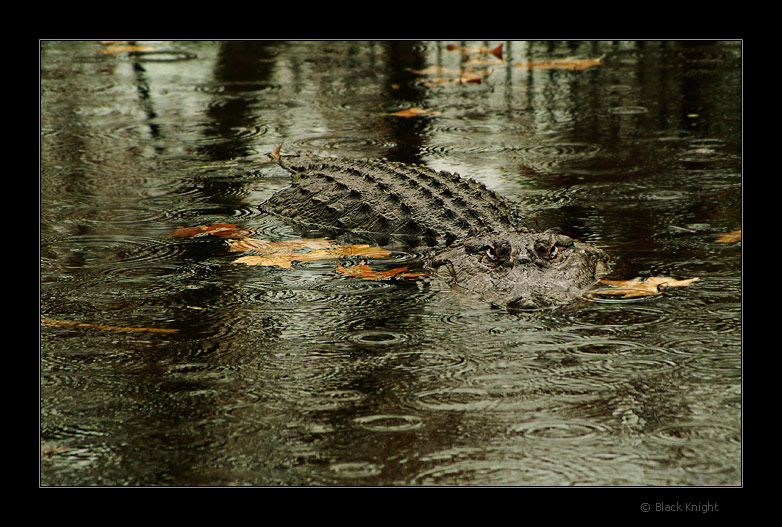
[{"x": 383, "y": 197}]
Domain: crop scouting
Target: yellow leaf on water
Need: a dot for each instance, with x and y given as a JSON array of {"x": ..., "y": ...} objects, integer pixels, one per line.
[
  {"x": 361, "y": 250},
  {"x": 71, "y": 324},
  {"x": 127, "y": 49},
  {"x": 560, "y": 64},
  {"x": 364, "y": 271},
  {"x": 414, "y": 112},
  {"x": 283, "y": 253},
  {"x": 268, "y": 247},
  {"x": 641, "y": 286},
  {"x": 49, "y": 451},
  {"x": 226, "y": 230},
  {"x": 479, "y": 50},
  {"x": 729, "y": 237}
]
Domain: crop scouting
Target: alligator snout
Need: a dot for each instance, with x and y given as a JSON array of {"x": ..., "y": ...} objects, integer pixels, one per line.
[{"x": 521, "y": 269}]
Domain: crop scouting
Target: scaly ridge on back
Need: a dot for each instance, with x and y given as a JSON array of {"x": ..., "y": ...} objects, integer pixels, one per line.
[{"x": 389, "y": 198}]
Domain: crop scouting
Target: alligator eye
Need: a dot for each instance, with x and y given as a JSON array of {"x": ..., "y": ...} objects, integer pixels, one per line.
[{"x": 543, "y": 249}]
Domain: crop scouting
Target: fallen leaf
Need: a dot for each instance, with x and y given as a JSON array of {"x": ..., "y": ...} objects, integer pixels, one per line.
[
  {"x": 729, "y": 237},
  {"x": 364, "y": 271},
  {"x": 466, "y": 78},
  {"x": 414, "y": 112},
  {"x": 127, "y": 49},
  {"x": 636, "y": 287},
  {"x": 282, "y": 254},
  {"x": 268, "y": 247},
  {"x": 455, "y": 76},
  {"x": 280, "y": 260},
  {"x": 479, "y": 50},
  {"x": 652, "y": 281},
  {"x": 483, "y": 61},
  {"x": 271, "y": 157},
  {"x": 69, "y": 323},
  {"x": 49, "y": 451},
  {"x": 361, "y": 249},
  {"x": 560, "y": 64},
  {"x": 226, "y": 230}
]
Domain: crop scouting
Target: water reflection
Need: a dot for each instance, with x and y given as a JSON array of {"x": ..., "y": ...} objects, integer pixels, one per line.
[{"x": 306, "y": 377}]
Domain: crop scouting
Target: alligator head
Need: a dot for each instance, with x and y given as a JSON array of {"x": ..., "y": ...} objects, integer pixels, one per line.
[{"x": 522, "y": 270}]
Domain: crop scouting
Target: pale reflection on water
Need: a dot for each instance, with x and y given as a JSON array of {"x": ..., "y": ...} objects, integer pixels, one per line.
[{"x": 306, "y": 377}]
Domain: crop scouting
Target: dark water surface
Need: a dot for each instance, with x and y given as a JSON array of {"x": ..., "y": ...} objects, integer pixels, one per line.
[{"x": 303, "y": 376}]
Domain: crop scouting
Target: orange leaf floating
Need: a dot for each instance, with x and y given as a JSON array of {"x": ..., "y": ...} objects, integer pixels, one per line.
[
  {"x": 282, "y": 253},
  {"x": 560, "y": 64},
  {"x": 49, "y": 451},
  {"x": 364, "y": 271},
  {"x": 729, "y": 237},
  {"x": 361, "y": 249},
  {"x": 283, "y": 259},
  {"x": 414, "y": 112},
  {"x": 267, "y": 247},
  {"x": 71, "y": 324},
  {"x": 479, "y": 50},
  {"x": 127, "y": 49},
  {"x": 471, "y": 77},
  {"x": 641, "y": 286},
  {"x": 226, "y": 230},
  {"x": 270, "y": 157}
]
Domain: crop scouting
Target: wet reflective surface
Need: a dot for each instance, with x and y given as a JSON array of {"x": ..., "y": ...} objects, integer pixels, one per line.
[{"x": 305, "y": 377}]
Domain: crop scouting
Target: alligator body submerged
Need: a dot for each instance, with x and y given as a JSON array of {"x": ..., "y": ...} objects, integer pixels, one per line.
[{"x": 471, "y": 235}]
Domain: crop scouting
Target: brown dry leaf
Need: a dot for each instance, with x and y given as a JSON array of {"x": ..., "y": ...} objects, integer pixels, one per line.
[
  {"x": 411, "y": 275},
  {"x": 271, "y": 157},
  {"x": 280, "y": 260},
  {"x": 484, "y": 61},
  {"x": 364, "y": 271},
  {"x": 729, "y": 237},
  {"x": 267, "y": 247},
  {"x": 282, "y": 253},
  {"x": 479, "y": 50},
  {"x": 226, "y": 230},
  {"x": 127, "y": 49},
  {"x": 414, "y": 112},
  {"x": 49, "y": 451},
  {"x": 361, "y": 249},
  {"x": 71, "y": 324},
  {"x": 453, "y": 76},
  {"x": 466, "y": 78},
  {"x": 642, "y": 286},
  {"x": 560, "y": 64}
]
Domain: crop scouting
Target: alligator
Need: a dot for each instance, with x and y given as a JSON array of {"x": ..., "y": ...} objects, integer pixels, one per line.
[{"x": 470, "y": 236}]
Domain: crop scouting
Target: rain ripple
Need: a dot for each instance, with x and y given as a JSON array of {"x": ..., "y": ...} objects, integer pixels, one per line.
[
  {"x": 550, "y": 156},
  {"x": 688, "y": 434},
  {"x": 389, "y": 423},
  {"x": 501, "y": 471},
  {"x": 559, "y": 430}
]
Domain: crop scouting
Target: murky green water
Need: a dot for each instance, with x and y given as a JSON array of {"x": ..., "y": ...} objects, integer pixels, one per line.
[{"x": 307, "y": 377}]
